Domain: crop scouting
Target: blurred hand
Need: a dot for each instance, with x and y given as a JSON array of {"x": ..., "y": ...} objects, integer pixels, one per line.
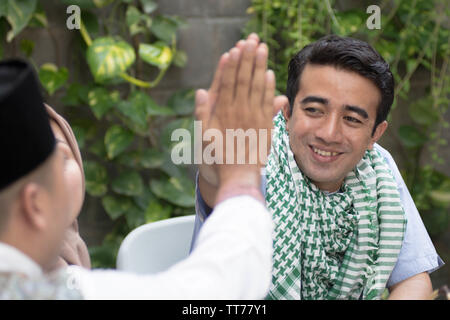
[{"x": 241, "y": 96}]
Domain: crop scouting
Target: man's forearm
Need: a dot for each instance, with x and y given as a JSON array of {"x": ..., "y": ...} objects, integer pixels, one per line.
[
  {"x": 417, "y": 287},
  {"x": 230, "y": 261},
  {"x": 208, "y": 191}
]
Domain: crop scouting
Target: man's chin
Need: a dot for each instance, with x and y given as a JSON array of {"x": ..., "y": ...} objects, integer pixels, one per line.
[{"x": 326, "y": 182}]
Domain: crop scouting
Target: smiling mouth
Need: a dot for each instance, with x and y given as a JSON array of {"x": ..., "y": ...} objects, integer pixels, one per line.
[{"x": 324, "y": 153}]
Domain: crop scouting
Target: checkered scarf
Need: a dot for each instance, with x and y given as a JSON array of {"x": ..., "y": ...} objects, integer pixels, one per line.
[{"x": 335, "y": 246}]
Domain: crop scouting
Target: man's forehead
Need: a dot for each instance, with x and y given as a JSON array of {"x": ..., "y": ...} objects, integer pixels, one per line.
[{"x": 338, "y": 86}]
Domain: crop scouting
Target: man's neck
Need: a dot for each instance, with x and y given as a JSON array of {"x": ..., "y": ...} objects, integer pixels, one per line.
[{"x": 328, "y": 187}]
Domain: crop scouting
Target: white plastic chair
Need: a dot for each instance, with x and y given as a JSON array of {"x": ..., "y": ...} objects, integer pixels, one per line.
[{"x": 156, "y": 246}]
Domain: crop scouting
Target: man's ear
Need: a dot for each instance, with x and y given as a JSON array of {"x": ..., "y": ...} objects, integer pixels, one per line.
[
  {"x": 33, "y": 205},
  {"x": 379, "y": 131},
  {"x": 286, "y": 111}
]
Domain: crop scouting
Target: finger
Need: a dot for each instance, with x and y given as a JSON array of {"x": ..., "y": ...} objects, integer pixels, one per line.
[
  {"x": 228, "y": 81},
  {"x": 254, "y": 37},
  {"x": 279, "y": 102},
  {"x": 215, "y": 85},
  {"x": 269, "y": 93},
  {"x": 240, "y": 44},
  {"x": 245, "y": 71},
  {"x": 202, "y": 108},
  {"x": 266, "y": 112},
  {"x": 257, "y": 88}
]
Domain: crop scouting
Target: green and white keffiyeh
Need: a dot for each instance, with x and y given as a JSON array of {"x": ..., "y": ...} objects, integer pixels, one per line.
[{"x": 335, "y": 246}]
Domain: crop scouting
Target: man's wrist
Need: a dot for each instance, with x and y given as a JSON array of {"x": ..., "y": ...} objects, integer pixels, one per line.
[{"x": 241, "y": 181}]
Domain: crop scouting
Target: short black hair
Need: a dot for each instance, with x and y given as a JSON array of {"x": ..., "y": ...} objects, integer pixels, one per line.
[{"x": 349, "y": 54}]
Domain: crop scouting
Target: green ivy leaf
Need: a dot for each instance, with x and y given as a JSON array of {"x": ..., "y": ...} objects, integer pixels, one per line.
[
  {"x": 135, "y": 216},
  {"x": 128, "y": 183},
  {"x": 147, "y": 158},
  {"x": 39, "y": 18},
  {"x": 349, "y": 22},
  {"x": 117, "y": 139},
  {"x": 90, "y": 20},
  {"x": 411, "y": 137},
  {"x": 101, "y": 100},
  {"x": 18, "y": 13},
  {"x": 76, "y": 94},
  {"x": 102, "y": 3},
  {"x": 151, "y": 107},
  {"x": 149, "y": 6},
  {"x": 108, "y": 58},
  {"x": 104, "y": 256},
  {"x": 3, "y": 8},
  {"x": 157, "y": 211},
  {"x": 182, "y": 102},
  {"x": 135, "y": 110},
  {"x": 131, "y": 159},
  {"x": 144, "y": 199},
  {"x": 115, "y": 206},
  {"x": 440, "y": 197},
  {"x": 96, "y": 178},
  {"x": 155, "y": 110},
  {"x": 152, "y": 158},
  {"x": 27, "y": 47},
  {"x": 88, "y": 126},
  {"x": 52, "y": 78},
  {"x": 132, "y": 16},
  {"x": 157, "y": 54},
  {"x": 83, "y": 4},
  {"x": 422, "y": 113},
  {"x": 176, "y": 190},
  {"x": 80, "y": 135},
  {"x": 98, "y": 148},
  {"x": 170, "y": 168},
  {"x": 165, "y": 139},
  {"x": 180, "y": 59},
  {"x": 164, "y": 28}
]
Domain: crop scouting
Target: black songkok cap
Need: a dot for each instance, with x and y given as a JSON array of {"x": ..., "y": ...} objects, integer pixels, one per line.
[{"x": 26, "y": 138}]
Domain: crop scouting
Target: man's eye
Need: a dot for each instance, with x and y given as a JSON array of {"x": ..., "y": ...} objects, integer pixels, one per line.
[
  {"x": 352, "y": 119},
  {"x": 312, "y": 110}
]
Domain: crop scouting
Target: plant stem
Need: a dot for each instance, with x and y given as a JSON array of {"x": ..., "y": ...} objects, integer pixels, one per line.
[
  {"x": 144, "y": 84},
  {"x": 331, "y": 13},
  {"x": 133, "y": 80},
  {"x": 422, "y": 54},
  {"x": 85, "y": 34}
]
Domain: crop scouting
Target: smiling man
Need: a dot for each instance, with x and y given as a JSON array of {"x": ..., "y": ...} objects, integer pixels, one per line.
[{"x": 346, "y": 226}]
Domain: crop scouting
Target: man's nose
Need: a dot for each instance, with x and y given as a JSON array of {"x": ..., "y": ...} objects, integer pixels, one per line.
[{"x": 330, "y": 130}]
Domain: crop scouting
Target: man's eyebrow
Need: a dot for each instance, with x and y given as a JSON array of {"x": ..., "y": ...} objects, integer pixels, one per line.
[
  {"x": 310, "y": 99},
  {"x": 357, "y": 110}
]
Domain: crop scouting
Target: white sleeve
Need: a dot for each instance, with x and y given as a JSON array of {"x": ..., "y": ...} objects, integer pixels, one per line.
[{"x": 232, "y": 259}]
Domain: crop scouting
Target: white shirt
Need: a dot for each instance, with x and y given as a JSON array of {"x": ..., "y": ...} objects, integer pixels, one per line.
[
  {"x": 232, "y": 259},
  {"x": 14, "y": 261}
]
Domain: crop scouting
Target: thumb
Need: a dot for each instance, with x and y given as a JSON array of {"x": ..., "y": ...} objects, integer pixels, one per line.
[
  {"x": 278, "y": 103},
  {"x": 202, "y": 108}
]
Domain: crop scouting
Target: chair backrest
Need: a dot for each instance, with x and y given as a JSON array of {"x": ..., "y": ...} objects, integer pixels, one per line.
[{"x": 156, "y": 246}]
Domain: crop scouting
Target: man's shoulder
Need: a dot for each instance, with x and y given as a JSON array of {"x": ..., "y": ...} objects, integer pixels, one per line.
[
  {"x": 391, "y": 163},
  {"x": 383, "y": 152}
]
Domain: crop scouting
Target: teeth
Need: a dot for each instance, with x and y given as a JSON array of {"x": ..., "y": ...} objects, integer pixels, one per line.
[{"x": 325, "y": 153}]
